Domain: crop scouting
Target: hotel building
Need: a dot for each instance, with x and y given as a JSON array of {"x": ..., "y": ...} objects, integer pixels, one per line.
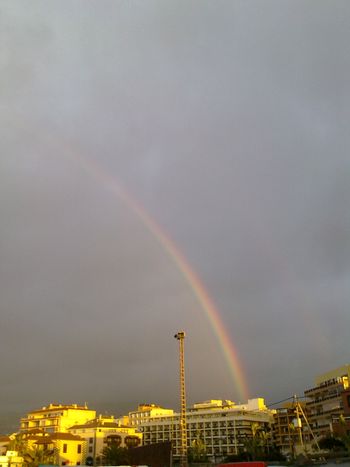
[{"x": 221, "y": 425}]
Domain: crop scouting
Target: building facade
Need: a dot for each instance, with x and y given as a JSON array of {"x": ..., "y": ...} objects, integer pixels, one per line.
[
  {"x": 327, "y": 403},
  {"x": 102, "y": 432},
  {"x": 66, "y": 449},
  {"x": 11, "y": 459},
  {"x": 145, "y": 412},
  {"x": 291, "y": 432},
  {"x": 221, "y": 426},
  {"x": 56, "y": 418}
]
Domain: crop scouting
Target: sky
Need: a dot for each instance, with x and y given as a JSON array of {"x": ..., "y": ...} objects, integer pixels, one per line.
[{"x": 227, "y": 122}]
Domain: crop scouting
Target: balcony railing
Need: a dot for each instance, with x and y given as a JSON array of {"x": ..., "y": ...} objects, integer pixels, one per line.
[
  {"x": 319, "y": 401},
  {"x": 325, "y": 385}
]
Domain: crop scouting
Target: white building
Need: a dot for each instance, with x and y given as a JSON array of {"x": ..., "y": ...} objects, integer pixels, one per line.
[
  {"x": 11, "y": 459},
  {"x": 223, "y": 426},
  {"x": 145, "y": 412},
  {"x": 102, "y": 432}
]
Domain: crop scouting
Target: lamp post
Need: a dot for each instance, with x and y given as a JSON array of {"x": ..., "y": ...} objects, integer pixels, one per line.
[{"x": 180, "y": 336}]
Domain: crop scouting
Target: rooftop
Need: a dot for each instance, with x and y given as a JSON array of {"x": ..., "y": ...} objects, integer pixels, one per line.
[
  {"x": 58, "y": 436},
  {"x": 55, "y": 407}
]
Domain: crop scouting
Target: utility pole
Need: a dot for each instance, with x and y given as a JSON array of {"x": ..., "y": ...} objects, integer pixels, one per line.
[
  {"x": 300, "y": 409},
  {"x": 298, "y": 421},
  {"x": 180, "y": 336}
]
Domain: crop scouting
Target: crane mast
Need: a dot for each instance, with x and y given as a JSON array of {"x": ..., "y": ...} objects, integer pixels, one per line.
[{"x": 180, "y": 336}]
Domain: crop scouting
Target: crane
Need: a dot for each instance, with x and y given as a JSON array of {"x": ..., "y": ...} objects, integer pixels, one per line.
[{"x": 180, "y": 336}]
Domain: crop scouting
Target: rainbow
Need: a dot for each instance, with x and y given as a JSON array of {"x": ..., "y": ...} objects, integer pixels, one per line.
[
  {"x": 203, "y": 297},
  {"x": 164, "y": 239}
]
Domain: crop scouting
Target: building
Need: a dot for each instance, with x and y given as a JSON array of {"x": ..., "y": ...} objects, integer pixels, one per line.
[
  {"x": 46, "y": 430},
  {"x": 291, "y": 436},
  {"x": 11, "y": 459},
  {"x": 222, "y": 426},
  {"x": 104, "y": 431},
  {"x": 341, "y": 424},
  {"x": 327, "y": 401},
  {"x": 145, "y": 412},
  {"x": 56, "y": 418},
  {"x": 66, "y": 449}
]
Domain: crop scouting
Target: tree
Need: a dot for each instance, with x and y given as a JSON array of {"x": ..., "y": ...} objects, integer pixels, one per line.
[
  {"x": 38, "y": 456},
  {"x": 115, "y": 455},
  {"x": 17, "y": 443},
  {"x": 330, "y": 443},
  {"x": 33, "y": 455},
  {"x": 197, "y": 452},
  {"x": 255, "y": 445},
  {"x": 345, "y": 438}
]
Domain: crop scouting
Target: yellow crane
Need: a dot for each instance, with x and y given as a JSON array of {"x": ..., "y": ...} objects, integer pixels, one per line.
[{"x": 180, "y": 336}]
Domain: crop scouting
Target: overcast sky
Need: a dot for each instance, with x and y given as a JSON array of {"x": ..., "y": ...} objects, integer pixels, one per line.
[{"x": 229, "y": 122}]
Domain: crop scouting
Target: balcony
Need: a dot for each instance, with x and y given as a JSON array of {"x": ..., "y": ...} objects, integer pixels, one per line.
[
  {"x": 320, "y": 401},
  {"x": 324, "y": 386},
  {"x": 325, "y": 412}
]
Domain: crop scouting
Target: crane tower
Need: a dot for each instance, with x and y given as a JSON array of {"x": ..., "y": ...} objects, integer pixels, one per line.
[{"x": 180, "y": 336}]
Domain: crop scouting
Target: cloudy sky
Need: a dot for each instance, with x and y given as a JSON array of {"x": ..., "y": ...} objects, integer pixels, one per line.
[{"x": 228, "y": 121}]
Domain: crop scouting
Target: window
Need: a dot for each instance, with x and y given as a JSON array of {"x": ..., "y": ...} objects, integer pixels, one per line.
[
  {"x": 348, "y": 400},
  {"x": 90, "y": 449},
  {"x": 91, "y": 440},
  {"x": 64, "y": 448},
  {"x": 79, "y": 449}
]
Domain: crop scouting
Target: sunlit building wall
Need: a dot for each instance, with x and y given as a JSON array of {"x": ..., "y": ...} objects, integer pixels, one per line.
[
  {"x": 11, "y": 459},
  {"x": 326, "y": 403},
  {"x": 222, "y": 425},
  {"x": 104, "y": 431},
  {"x": 56, "y": 418},
  {"x": 67, "y": 449},
  {"x": 145, "y": 412}
]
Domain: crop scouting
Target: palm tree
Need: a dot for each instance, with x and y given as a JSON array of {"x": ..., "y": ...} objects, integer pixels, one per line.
[
  {"x": 115, "y": 455},
  {"x": 17, "y": 443},
  {"x": 345, "y": 437},
  {"x": 256, "y": 443},
  {"x": 198, "y": 450},
  {"x": 32, "y": 455}
]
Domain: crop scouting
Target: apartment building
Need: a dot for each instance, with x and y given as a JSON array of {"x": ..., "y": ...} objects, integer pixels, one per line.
[
  {"x": 327, "y": 403},
  {"x": 221, "y": 425},
  {"x": 104, "y": 431},
  {"x": 290, "y": 431},
  {"x": 56, "y": 418}
]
